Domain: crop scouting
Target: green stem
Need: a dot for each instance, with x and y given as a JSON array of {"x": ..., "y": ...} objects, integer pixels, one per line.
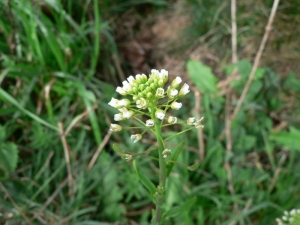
[{"x": 162, "y": 169}]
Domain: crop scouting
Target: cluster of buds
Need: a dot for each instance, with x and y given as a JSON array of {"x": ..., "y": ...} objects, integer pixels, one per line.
[
  {"x": 147, "y": 95},
  {"x": 289, "y": 218}
]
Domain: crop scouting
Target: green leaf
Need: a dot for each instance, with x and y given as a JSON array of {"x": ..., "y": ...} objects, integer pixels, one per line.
[
  {"x": 117, "y": 149},
  {"x": 194, "y": 166},
  {"x": 2, "y": 134},
  {"x": 145, "y": 180},
  {"x": 290, "y": 140},
  {"x": 8, "y": 157},
  {"x": 174, "y": 157},
  {"x": 202, "y": 76},
  {"x": 8, "y": 98},
  {"x": 177, "y": 210}
]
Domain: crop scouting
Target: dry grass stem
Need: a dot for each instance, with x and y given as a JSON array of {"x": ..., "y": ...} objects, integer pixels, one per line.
[
  {"x": 78, "y": 118},
  {"x": 233, "y": 32},
  {"x": 98, "y": 151},
  {"x": 67, "y": 158},
  {"x": 200, "y": 131},
  {"x": 257, "y": 59}
]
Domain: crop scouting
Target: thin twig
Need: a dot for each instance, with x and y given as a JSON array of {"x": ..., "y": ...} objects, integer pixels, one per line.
[
  {"x": 233, "y": 32},
  {"x": 200, "y": 131},
  {"x": 228, "y": 107},
  {"x": 277, "y": 172},
  {"x": 257, "y": 59},
  {"x": 78, "y": 118},
  {"x": 15, "y": 204},
  {"x": 67, "y": 158},
  {"x": 98, "y": 151}
]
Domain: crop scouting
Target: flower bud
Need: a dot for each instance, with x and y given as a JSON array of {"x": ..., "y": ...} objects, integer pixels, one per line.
[
  {"x": 191, "y": 120},
  {"x": 115, "y": 127},
  {"x": 160, "y": 114},
  {"x": 172, "y": 93},
  {"x": 172, "y": 119},
  {"x": 184, "y": 90},
  {"x": 136, "y": 137},
  {"x": 166, "y": 153},
  {"x": 176, "y": 105},
  {"x": 149, "y": 123},
  {"x": 175, "y": 83}
]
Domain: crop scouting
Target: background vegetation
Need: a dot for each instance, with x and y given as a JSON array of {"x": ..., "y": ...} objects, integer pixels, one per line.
[{"x": 60, "y": 64}]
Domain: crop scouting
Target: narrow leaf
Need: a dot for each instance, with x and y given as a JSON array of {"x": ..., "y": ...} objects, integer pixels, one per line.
[
  {"x": 7, "y": 97},
  {"x": 175, "y": 211},
  {"x": 194, "y": 166},
  {"x": 145, "y": 180},
  {"x": 174, "y": 157}
]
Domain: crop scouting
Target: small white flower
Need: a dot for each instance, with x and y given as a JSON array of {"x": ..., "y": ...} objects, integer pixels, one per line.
[
  {"x": 176, "y": 105},
  {"x": 160, "y": 92},
  {"x": 127, "y": 114},
  {"x": 113, "y": 102},
  {"x": 126, "y": 86},
  {"x": 163, "y": 74},
  {"x": 123, "y": 103},
  {"x": 172, "y": 93},
  {"x": 118, "y": 117},
  {"x": 138, "y": 76},
  {"x": 126, "y": 157},
  {"x": 198, "y": 122},
  {"x": 121, "y": 91},
  {"x": 176, "y": 82},
  {"x": 149, "y": 123},
  {"x": 131, "y": 79},
  {"x": 136, "y": 137},
  {"x": 115, "y": 127},
  {"x": 172, "y": 119},
  {"x": 166, "y": 152},
  {"x": 184, "y": 90},
  {"x": 194, "y": 121},
  {"x": 155, "y": 72},
  {"x": 160, "y": 114},
  {"x": 141, "y": 103}
]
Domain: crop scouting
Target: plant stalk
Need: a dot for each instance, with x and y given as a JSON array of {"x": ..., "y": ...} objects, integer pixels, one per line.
[{"x": 162, "y": 169}]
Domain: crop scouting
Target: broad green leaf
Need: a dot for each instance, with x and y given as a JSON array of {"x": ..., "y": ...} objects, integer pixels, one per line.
[
  {"x": 290, "y": 140},
  {"x": 194, "y": 166},
  {"x": 202, "y": 76},
  {"x": 174, "y": 157},
  {"x": 8, "y": 157},
  {"x": 177, "y": 210},
  {"x": 244, "y": 68},
  {"x": 145, "y": 180}
]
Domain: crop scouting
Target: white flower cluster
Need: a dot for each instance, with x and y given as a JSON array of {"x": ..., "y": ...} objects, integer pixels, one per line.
[
  {"x": 289, "y": 218},
  {"x": 146, "y": 94}
]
